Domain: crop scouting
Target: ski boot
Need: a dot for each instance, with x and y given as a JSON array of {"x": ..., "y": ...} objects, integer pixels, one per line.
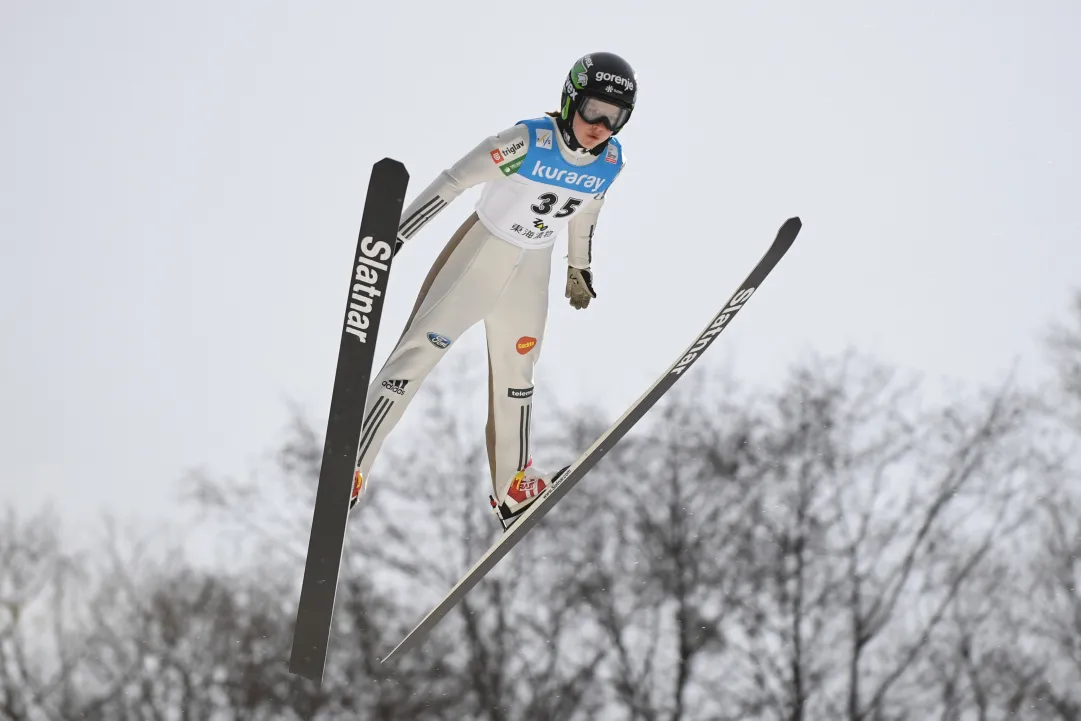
[
  {"x": 358, "y": 487},
  {"x": 519, "y": 493}
]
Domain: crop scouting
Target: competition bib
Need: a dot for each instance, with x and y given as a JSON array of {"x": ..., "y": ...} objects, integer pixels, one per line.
[{"x": 542, "y": 190}]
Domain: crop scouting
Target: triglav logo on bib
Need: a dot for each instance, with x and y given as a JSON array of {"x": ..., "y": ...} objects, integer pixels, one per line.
[
  {"x": 511, "y": 150},
  {"x": 507, "y": 151}
]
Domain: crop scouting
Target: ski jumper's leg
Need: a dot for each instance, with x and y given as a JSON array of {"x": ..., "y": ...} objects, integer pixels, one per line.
[
  {"x": 460, "y": 290},
  {"x": 515, "y": 331}
]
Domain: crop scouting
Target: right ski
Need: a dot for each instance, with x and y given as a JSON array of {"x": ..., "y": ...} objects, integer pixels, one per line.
[
  {"x": 563, "y": 481},
  {"x": 367, "y": 289}
]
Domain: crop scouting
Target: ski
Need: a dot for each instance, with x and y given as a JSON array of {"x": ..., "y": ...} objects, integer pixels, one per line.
[
  {"x": 356, "y": 353},
  {"x": 563, "y": 481}
]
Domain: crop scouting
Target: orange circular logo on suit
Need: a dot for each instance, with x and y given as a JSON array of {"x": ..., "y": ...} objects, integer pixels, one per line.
[{"x": 525, "y": 344}]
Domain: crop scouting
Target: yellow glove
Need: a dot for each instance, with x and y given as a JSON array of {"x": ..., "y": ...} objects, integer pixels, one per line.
[{"x": 580, "y": 287}]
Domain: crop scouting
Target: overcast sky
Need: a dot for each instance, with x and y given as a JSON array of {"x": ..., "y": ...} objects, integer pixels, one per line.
[{"x": 181, "y": 185}]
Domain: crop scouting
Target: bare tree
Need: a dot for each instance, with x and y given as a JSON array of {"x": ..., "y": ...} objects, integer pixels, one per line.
[
  {"x": 176, "y": 641},
  {"x": 1053, "y": 621},
  {"x": 511, "y": 645},
  {"x": 1049, "y": 614},
  {"x": 833, "y": 549},
  {"x": 655, "y": 557},
  {"x": 509, "y": 651},
  {"x": 1064, "y": 344},
  {"x": 910, "y": 505},
  {"x": 42, "y": 632},
  {"x": 1010, "y": 646},
  {"x": 793, "y": 556}
]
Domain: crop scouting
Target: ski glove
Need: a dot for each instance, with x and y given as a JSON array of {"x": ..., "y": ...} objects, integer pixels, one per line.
[{"x": 580, "y": 287}]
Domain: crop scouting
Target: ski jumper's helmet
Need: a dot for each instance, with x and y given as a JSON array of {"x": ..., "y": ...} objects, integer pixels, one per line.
[{"x": 601, "y": 87}]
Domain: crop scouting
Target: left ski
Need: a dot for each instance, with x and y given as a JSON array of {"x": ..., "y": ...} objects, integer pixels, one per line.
[{"x": 569, "y": 476}]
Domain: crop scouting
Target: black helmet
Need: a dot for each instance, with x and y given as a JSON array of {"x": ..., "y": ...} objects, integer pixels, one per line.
[{"x": 606, "y": 77}]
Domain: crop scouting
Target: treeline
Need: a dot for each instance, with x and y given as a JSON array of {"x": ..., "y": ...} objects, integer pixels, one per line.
[{"x": 841, "y": 547}]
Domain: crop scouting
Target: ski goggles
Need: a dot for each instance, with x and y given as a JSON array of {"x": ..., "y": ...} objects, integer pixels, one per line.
[{"x": 595, "y": 110}]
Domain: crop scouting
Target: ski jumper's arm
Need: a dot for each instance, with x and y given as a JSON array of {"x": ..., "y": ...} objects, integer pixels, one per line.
[
  {"x": 580, "y": 234},
  {"x": 479, "y": 165},
  {"x": 581, "y": 228}
]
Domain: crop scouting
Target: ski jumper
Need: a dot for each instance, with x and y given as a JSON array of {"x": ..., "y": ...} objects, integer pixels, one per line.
[{"x": 496, "y": 269}]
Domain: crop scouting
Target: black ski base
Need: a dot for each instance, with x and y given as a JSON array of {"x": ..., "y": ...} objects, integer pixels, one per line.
[{"x": 365, "y": 296}]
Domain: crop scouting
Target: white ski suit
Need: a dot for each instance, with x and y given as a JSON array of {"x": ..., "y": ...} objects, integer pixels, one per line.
[{"x": 496, "y": 269}]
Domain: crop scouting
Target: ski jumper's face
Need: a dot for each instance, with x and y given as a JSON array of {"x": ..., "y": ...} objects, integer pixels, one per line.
[{"x": 590, "y": 135}]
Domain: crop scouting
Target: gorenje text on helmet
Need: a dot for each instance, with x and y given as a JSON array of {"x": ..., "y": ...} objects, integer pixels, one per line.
[{"x": 617, "y": 79}]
